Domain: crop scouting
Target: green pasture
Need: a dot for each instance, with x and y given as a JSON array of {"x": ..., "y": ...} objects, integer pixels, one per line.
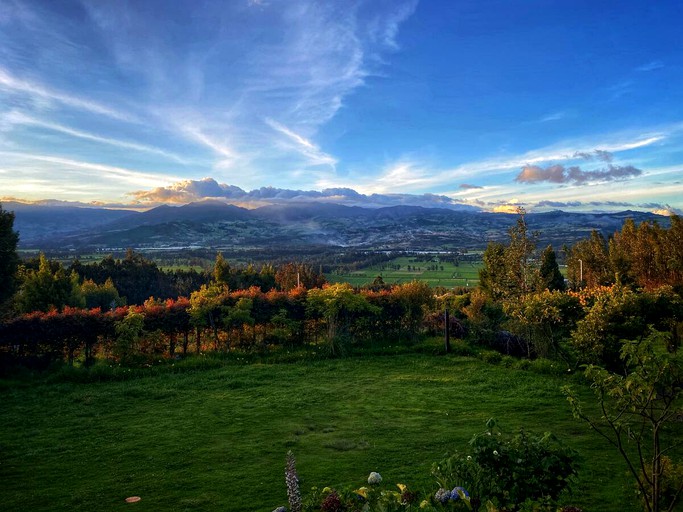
[
  {"x": 446, "y": 274},
  {"x": 215, "y": 439}
]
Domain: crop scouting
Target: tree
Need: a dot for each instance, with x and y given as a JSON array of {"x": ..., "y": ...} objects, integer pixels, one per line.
[
  {"x": 588, "y": 263},
  {"x": 221, "y": 270},
  {"x": 9, "y": 260},
  {"x": 550, "y": 277},
  {"x": 104, "y": 296},
  {"x": 339, "y": 306},
  {"x": 636, "y": 409},
  {"x": 493, "y": 274},
  {"x": 519, "y": 254},
  {"x": 294, "y": 275},
  {"x": 46, "y": 289}
]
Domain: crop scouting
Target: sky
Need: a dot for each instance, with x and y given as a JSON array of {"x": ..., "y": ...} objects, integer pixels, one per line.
[{"x": 489, "y": 104}]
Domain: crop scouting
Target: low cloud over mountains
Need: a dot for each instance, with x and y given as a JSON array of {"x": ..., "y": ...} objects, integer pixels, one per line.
[{"x": 196, "y": 190}]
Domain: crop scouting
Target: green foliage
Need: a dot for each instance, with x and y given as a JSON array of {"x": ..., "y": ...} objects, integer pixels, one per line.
[
  {"x": 550, "y": 277},
  {"x": 9, "y": 260},
  {"x": 645, "y": 256},
  {"x": 128, "y": 332},
  {"x": 339, "y": 306},
  {"x": 45, "y": 289},
  {"x": 508, "y": 270},
  {"x": 638, "y": 408},
  {"x": 614, "y": 315},
  {"x": 221, "y": 270},
  {"x": 544, "y": 320},
  {"x": 510, "y": 469},
  {"x": 588, "y": 263},
  {"x": 104, "y": 296},
  {"x": 294, "y": 275}
]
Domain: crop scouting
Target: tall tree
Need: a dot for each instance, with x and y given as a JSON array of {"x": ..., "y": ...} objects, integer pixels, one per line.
[
  {"x": 508, "y": 270},
  {"x": 9, "y": 260},
  {"x": 519, "y": 254},
  {"x": 550, "y": 277}
]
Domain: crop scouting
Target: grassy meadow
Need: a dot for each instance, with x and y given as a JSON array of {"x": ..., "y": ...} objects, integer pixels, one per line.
[
  {"x": 446, "y": 274},
  {"x": 215, "y": 438}
]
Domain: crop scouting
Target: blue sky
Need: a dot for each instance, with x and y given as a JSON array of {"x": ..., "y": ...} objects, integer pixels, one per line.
[{"x": 492, "y": 104}]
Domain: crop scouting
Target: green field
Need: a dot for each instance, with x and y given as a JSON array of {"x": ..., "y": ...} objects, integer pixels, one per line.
[
  {"x": 446, "y": 274},
  {"x": 216, "y": 439}
]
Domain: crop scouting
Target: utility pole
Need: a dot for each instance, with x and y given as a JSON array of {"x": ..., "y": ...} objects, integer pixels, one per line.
[{"x": 580, "y": 273}]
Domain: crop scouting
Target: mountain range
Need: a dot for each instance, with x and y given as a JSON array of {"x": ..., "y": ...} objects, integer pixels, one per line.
[{"x": 213, "y": 224}]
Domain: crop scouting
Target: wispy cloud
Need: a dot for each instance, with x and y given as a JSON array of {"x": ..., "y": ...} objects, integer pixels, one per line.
[
  {"x": 18, "y": 118},
  {"x": 28, "y": 88},
  {"x": 650, "y": 66},
  {"x": 555, "y": 116},
  {"x": 127, "y": 177},
  {"x": 312, "y": 152}
]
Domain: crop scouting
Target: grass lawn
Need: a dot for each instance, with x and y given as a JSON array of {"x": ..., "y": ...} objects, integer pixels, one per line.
[
  {"x": 216, "y": 439},
  {"x": 464, "y": 274}
]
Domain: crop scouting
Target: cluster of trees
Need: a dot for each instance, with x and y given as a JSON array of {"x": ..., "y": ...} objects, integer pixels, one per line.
[
  {"x": 645, "y": 256},
  {"x": 616, "y": 293}
]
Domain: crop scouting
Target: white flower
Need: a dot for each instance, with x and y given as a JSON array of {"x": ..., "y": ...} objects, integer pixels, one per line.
[
  {"x": 469, "y": 457},
  {"x": 374, "y": 478},
  {"x": 495, "y": 452}
]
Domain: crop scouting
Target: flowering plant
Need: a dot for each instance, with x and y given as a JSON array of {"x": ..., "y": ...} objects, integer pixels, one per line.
[
  {"x": 374, "y": 478},
  {"x": 509, "y": 470}
]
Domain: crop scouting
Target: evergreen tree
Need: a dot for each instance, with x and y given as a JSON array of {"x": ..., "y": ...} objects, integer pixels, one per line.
[
  {"x": 9, "y": 260},
  {"x": 221, "y": 270},
  {"x": 550, "y": 277}
]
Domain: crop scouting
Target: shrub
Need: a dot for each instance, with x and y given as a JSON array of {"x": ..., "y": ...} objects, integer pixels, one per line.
[{"x": 510, "y": 470}]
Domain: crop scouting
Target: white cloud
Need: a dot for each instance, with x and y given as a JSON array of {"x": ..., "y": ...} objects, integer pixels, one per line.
[
  {"x": 125, "y": 177},
  {"x": 26, "y": 87},
  {"x": 18, "y": 118}
]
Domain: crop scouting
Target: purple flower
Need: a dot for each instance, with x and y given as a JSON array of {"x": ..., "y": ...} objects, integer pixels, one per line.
[
  {"x": 442, "y": 495},
  {"x": 292, "y": 481},
  {"x": 455, "y": 495}
]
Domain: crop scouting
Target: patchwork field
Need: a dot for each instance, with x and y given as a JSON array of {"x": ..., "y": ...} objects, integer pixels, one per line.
[
  {"x": 216, "y": 439},
  {"x": 406, "y": 269}
]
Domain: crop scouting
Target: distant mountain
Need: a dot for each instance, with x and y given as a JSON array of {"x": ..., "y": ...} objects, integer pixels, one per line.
[
  {"x": 203, "y": 212},
  {"x": 296, "y": 226},
  {"x": 38, "y": 223}
]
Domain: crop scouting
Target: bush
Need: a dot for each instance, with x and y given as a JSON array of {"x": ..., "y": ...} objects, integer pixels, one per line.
[
  {"x": 509, "y": 470},
  {"x": 491, "y": 357}
]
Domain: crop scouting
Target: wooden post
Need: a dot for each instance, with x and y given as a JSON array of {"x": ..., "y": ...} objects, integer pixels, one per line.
[{"x": 447, "y": 331}]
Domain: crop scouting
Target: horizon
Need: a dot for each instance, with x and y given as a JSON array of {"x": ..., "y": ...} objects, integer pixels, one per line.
[{"x": 491, "y": 106}]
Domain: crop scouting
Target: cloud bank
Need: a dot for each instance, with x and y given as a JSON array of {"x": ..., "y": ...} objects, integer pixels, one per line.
[{"x": 209, "y": 189}]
